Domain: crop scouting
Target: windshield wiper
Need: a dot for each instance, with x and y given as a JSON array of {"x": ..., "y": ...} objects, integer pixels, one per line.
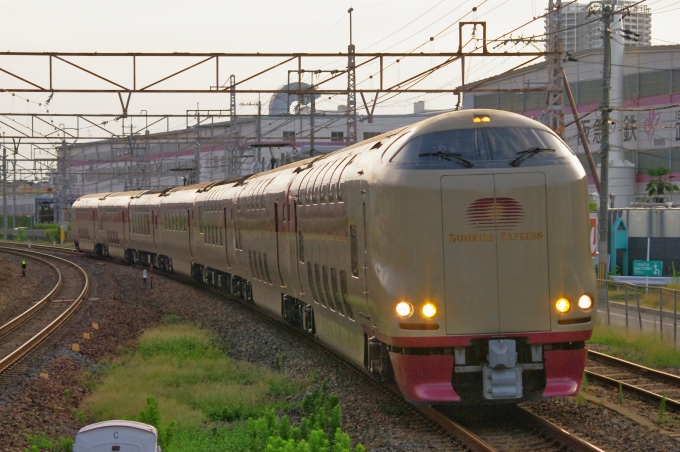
[
  {"x": 447, "y": 156},
  {"x": 528, "y": 153}
]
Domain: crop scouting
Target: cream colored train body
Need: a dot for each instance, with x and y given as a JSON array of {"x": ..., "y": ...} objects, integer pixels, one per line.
[{"x": 438, "y": 255}]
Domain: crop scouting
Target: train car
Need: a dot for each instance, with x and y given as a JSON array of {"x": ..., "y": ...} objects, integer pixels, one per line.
[
  {"x": 451, "y": 256},
  {"x": 84, "y": 213}
]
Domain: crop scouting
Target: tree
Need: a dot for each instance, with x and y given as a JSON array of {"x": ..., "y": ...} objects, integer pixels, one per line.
[{"x": 657, "y": 187}]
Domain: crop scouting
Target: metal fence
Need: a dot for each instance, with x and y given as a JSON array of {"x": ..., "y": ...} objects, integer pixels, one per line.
[{"x": 639, "y": 306}]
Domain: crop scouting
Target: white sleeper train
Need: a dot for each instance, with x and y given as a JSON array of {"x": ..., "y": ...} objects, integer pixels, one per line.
[{"x": 451, "y": 256}]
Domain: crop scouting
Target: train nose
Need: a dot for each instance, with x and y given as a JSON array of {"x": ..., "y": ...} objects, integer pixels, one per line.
[{"x": 495, "y": 253}]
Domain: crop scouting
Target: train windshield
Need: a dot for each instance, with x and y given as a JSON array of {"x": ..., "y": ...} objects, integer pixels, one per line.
[{"x": 483, "y": 147}]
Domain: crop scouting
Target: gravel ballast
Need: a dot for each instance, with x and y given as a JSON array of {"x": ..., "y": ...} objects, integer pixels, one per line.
[{"x": 123, "y": 307}]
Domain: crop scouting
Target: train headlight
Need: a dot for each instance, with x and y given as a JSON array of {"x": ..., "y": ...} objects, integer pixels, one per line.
[
  {"x": 484, "y": 118},
  {"x": 563, "y": 305},
  {"x": 404, "y": 309},
  {"x": 429, "y": 310},
  {"x": 585, "y": 302}
]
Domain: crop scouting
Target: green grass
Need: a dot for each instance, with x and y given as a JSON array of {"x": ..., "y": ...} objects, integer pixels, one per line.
[
  {"x": 193, "y": 381},
  {"x": 643, "y": 348},
  {"x": 200, "y": 400}
]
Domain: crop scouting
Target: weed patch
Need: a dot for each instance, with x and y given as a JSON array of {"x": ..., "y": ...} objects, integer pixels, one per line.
[
  {"x": 646, "y": 349},
  {"x": 190, "y": 377}
]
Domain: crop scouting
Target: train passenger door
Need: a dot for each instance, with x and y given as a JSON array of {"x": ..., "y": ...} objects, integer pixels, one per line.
[
  {"x": 154, "y": 226},
  {"x": 279, "y": 238},
  {"x": 226, "y": 235},
  {"x": 495, "y": 253}
]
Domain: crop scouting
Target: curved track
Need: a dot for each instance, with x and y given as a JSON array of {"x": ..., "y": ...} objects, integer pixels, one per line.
[
  {"x": 649, "y": 383},
  {"x": 504, "y": 429},
  {"x": 26, "y": 331}
]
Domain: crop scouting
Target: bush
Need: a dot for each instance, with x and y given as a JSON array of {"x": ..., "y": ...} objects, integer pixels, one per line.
[
  {"x": 21, "y": 235},
  {"x": 53, "y": 234}
]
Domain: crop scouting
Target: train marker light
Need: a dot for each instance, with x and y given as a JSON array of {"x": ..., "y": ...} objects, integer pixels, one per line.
[
  {"x": 585, "y": 302},
  {"x": 563, "y": 305},
  {"x": 429, "y": 310},
  {"x": 404, "y": 309},
  {"x": 481, "y": 119}
]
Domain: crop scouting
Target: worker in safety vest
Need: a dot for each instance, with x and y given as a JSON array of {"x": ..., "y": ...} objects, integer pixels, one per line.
[{"x": 23, "y": 268}]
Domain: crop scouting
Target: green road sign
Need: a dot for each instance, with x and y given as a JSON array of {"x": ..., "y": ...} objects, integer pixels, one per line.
[{"x": 647, "y": 268}]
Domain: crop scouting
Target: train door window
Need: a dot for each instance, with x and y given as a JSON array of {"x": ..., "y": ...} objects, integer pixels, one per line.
[
  {"x": 200, "y": 219},
  {"x": 261, "y": 265},
  {"x": 329, "y": 295},
  {"x": 354, "y": 248},
  {"x": 325, "y": 181},
  {"x": 240, "y": 240},
  {"x": 250, "y": 261},
  {"x": 317, "y": 279},
  {"x": 221, "y": 236},
  {"x": 266, "y": 267},
  {"x": 345, "y": 295},
  {"x": 336, "y": 293},
  {"x": 341, "y": 182},
  {"x": 310, "y": 279},
  {"x": 302, "y": 247}
]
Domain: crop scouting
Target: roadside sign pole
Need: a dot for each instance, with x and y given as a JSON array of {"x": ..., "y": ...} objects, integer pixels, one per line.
[{"x": 649, "y": 239}]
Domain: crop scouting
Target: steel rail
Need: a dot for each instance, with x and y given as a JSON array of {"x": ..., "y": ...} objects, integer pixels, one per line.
[
  {"x": 21, "y": 318},
  {"x": 558, "y": 433},
  {"x": 456, "y": 430},
  {"x": 649, "y": 395},
  {"x": 452, "y": 428},
  {"x": 669, "y": 378},
  {"x": 33, "y": 342}
]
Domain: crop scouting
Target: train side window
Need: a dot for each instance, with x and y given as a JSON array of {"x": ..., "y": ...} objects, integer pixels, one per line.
[
  {"x": 354, "y": 247},
  {"x": 310, "y": 278},
  {"x": 345, "y": 295},
  {"x": 336, "y": 292},
  {"x": 266, "y": 267},
  {"x": 302, "y": 247},
  {"x": 329, "y": 296},
  {"x": 317, "y": 279}
]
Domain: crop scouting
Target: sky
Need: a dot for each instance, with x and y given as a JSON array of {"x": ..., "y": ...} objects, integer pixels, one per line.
[{"x": 257, "y": 26}]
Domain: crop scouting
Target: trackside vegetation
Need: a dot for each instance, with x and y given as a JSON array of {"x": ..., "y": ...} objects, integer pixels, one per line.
[
  {"x": 642, "y": 348},
  {"x": 179, "y": 380}
]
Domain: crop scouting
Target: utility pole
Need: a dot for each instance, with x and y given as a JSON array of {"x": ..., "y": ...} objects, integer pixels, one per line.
[
  {"x": 4, "y": 185},
  {"x": 258, "y": 152},
  {"x": 197, "y": 149},
  {"x": 62, "y": 188},
  {"x": 232, "y": 126},
  {"x": 312, "y": 112},
  {"x": 14, "y": 190},
  {"x": 351, "y": 89},
  {"x": 555, "y": 114},
  {"x": 603, "y": 212}
]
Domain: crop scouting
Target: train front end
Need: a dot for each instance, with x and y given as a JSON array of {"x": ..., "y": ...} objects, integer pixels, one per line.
[{"x": 500, "y": 294}]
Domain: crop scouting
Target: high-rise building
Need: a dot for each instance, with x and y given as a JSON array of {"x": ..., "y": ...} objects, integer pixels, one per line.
[{"x": 582, "y": 30}]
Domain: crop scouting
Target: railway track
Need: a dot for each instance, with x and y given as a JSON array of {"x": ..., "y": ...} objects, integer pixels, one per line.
[
  {"x": 506, "y": 429},
  {"x": 501, "y": 428},
  {"x": 650, "y": 384},
  {"x": 24, "y": 333}
]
